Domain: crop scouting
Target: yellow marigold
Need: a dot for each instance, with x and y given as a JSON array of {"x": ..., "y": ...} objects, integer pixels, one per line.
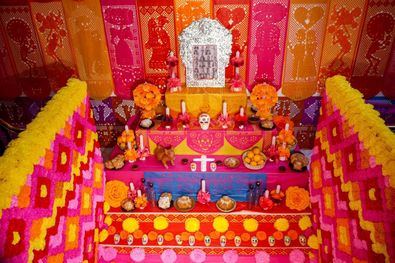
[
  {"x": 281, "y": 224},
  {"x": 108, "y": 220},
  {"x": 192, "y": 224},
  {"x": 221, "y": 224},
  {"x": 130, "y": 225},
  {"x": 250, "y": 224},
  {"x": 161, "y": 223},
  {"x": 115, "y": 192},
  {"x": 304, "y": 222},
  {"x": 106, "y": 207},
  {"x": 103, "y": 235},
  {"x": 312, "y": 241},
  {"x": 297, "y": 198}
]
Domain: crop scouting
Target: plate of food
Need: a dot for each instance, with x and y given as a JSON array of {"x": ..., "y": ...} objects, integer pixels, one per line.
[
  {"x": 184, "y": 203},
  {"x": 298, "y": 162},
  {"x": 147, "y": 124},
  {"x": 226, "y": 204},
  {"x": 254, "y": 159},
  {"x": 232, "y": 162},
  {"x": 267, "y": 125}
]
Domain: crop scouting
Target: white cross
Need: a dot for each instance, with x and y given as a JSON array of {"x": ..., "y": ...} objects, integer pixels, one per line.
[{"x": 203, "y": 159}]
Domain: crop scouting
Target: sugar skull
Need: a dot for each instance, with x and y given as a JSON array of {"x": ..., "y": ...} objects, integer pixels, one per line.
[
  {"x": 130, "y": 240},
  {"x": 287, "y": 241},
  {"x": 160, "y": 240},
  {"x": 117, "y": 238},
  {"x": 271, "y": 241},
  {"x": 302, "y": 240},
  {"x": 191, "y": 240},
  {"x": 222, "y": 241},
  {"x": 254, "y": 241},
  {"x": 237, "y": 241},
  {"x": 207, "y": 241},
  {"x": 144, "y": 240},
  {"x": 178, "y": 240},
  {"x": 204, "y": 121}
]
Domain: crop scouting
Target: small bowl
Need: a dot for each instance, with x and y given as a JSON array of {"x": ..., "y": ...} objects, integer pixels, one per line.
[
  {"x": 185, "y": 161},
  {"x": 219, "y": 163},
  {"x": 135, "y": 167}
]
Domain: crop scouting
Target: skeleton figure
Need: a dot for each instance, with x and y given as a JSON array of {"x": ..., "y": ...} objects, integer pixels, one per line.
[{"x": 204, "y": 121}]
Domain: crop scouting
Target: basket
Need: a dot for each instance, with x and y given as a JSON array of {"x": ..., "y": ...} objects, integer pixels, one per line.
[{"x": 257, "y": 167}]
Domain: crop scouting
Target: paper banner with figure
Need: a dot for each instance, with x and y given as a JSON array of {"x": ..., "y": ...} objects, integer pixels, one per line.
[
  {"x": 306, "y": 28},
  {"x": 234, "y": 16},
  {"x": 374, "y": 48},
  {"x": 25, "y": 48},
  {"x": 85, "y": 24},
  {"x": 268, "y": 28},
  {"x": 124, "y": 47},
  {"x": 187, "y": 11},
  {"x": 50, "y": 24},
  {"x": 158, "y": 38},
  {"x": 389, "y": 78},
  {"x": 345, "y": 21},
  {"x": 8, "y": 73}
]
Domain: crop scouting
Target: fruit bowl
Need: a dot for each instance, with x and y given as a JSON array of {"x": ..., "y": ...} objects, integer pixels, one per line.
[{"x": 254, "y": 159}]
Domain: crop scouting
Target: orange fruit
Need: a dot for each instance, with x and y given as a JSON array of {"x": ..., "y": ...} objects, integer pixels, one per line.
[
  {"x": 152, "y": 235},
  {"x": 253, "y": 163},
  {"x": 256, "y": 150},
  {"x": 257, "y": 158},
  {"x": 168, "y": 236},
  {"x": 250, "y": 154},
  {"x": 260, "y": 162},
  {"x": 247, "y": 160},
  {"x": 245, "y": 237}
]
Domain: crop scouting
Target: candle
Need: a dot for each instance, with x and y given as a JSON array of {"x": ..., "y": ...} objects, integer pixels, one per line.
[
  {"x": 267, "y": 194},
  {"x": 126, "y": 128},
  {"x": 139, "y": 193},
  {"x": 237, "y": 54},
  {"x": 203, "y": 186},
  {"x": 173, "y": 75},
  {"x": 141, "y": 142},
  {"x": 287, "y": 126},
  {"x": 273, "y": 140},
  {"x": 129, "y": 145},
  {"x": 237, "y": 71},
  {"x": 131, "y": 185},
  {"x": 183, "y": 107},
  {"x": 278, "y": 189},
  {"x": 224, "y": 109},
  {"x": 167, "y": 111},
  {"x": 241, "y": 111},
  {"x": 171, "y": 54}
]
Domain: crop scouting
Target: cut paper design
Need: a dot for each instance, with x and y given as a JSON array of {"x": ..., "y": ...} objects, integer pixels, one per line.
[
  {"x": 305, "y": 37},
  {"x": 233, "y": 15},
  {"x": 123, "y": 40},
  {"x": 268, "y": 23},
  {"x": 341, "y": 39},
  {"x": 374, "y": 49}
]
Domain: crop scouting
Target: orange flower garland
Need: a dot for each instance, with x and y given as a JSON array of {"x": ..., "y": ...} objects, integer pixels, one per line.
[
  {"x": 115, "y": 192},
  {"x": 126, "y": 136},
  {"x": 147, "y": 97},
  {"x": 297, "y": 198},
  {"x": 264, "y": 97}
]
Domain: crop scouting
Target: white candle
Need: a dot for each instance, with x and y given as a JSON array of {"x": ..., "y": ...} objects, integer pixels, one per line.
[
  {"x": 203, "y": 186},
  {"x": 131, "y": 185},
  {"x": 183, "y": 107},
  {"x": 129, "y": 145},
  {"x": 237, "y": 71},
  {"x": 267, "y": 194},
  {"x": 224, "y": 109},
  {"x": 167, "y": 111},
  {"x": 287, "y": 126},
  {"x": 173, "y": 75},
  {"x": 141, "y": 142},
  {"x": 171, "y": 54},
  {"x": 241, "y": 111},
  {"x": 237, "y": 54},
  {"x": 278, "y": 189},
  {"x": 139, "y": 193},
  {"x": 274, "y": 141},
  {"x": 126, "y": 128}
]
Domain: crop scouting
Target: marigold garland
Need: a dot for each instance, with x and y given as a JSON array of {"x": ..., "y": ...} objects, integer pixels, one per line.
[
  {"x": 220, "y": 224},
  {"x": 192, "y": 224},
  {"x": 312, "y": 242},
  {"x": 115, "y": 192},
  {"x": 161, "y": 223},
  {"x": 24, "y": 152},
  {"x": 250, "y": 224},
  {"x": 281, "y": 224},
  {"x": 130, "y": 225},
  {"x": 147, "y": 97},
  {"x": 297, "y": 198},
  {"x": 264, "y": 97}
]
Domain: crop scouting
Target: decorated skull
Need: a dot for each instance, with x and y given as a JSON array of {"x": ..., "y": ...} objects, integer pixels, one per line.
[{"x": 204, "y": 121}]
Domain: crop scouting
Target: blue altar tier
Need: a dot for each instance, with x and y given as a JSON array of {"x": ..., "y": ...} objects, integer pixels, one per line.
[{"x": 232, "y": 184}]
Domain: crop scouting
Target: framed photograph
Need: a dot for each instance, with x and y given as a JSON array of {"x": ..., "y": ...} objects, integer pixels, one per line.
[{"x": 205, "y": 47}]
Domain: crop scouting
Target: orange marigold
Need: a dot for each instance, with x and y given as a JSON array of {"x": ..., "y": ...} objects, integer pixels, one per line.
[
  {"x": 297, "y": 198},
  {"x": 261, "y": 235},
  {"x": 264, "y": 97},
  {"x": 278, "y": 235},
  {"x": 152, "y": 235},
  {"x": 168, "y": 236},
  {"x": 115, "y": 192},
  {"x": 199, "y": 236},
  {"x": 215, "y": 234},
  {"x": 230, "y": 235},
  {"x": 245, "y": 237},
  {"x": 138, "y": 234},
  {"x": 146, "y": 96}
]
